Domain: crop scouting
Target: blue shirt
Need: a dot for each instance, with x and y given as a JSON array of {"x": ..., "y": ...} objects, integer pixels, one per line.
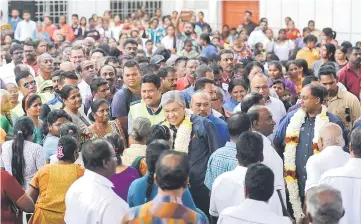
[
  {"x": 138, "y": 188},
  {"x": 121, "y": 102},
  {"x": 50, "y": 145},
  {"x": 356, "y": 125},
  {"x": 230, "y": 104},
  {"x": 210, "y": 49},
  {"x": 304, "y": 147},
  {"x": 13, "y": 23},
  {"x": 188, "y": 93},
  {"x": 222, "y": 129},
  {"x": 222, "y": 160}
]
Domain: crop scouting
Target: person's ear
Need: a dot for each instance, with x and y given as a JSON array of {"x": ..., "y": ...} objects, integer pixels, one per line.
[
  {"x": 155, "y": 179},
  {"x": 76, "y": 155},
  {"x": 186, "y": 183},
  {"x": 255, "y": 124}
]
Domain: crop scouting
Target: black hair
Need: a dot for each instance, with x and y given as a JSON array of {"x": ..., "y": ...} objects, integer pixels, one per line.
[
  {"x": 163, "y": 51},
  {"x": 94, "y": 152},
  {"x": 75, "y": 15},
  {"x": 141, "y": 59},
  {"x": 310, "y": 38},
  {"x": 100, "y": 69},
  {"x": 21, "y": 76},
  {"x": 30, "y": 43},
  {"x": 149, "y": 41},
  {"x": 100, "y": 50},
  {"x": 311, "y": 21},
  {"x": 326, "y": 70},
  {"x": 346, "y": 44},
  {"x": 131, "y": 63},
  {"x": 329, "y": 32},
  {"x": 217, "y": 69},
  {"x": 179, "y": 60},
  {"x": 151, "y": 79},
  {"x": 350, "y": 49},
  {"x": 259, "y": 182},
  {"x": 123, "y": 59},
  {"x": 317, "y": 91},
  {"x": 65, "y": 91},
  {"x": 69, "y": 129},
  {"x": 96, "y": 83},
  {"x": 236, "y": 82},
  {"x": 250, "y": 100},
  {"x": 205, "y": 37},
  {"x": 15, "y": 47},
  {"x": 118, "y": 145},
  {"x": 111, "y": 59},
  {"x": 303, "y": 64},
  {"x": 67, "y": 145},
  {"x": 154, "y": 150},
  {"x": 201, "y": 83},
  {"x": 279, "y": 81},
  {"x": 149, "y": 69},
  {"x": 28, "y": 100},
  {"x": 238, "y": 123},
  {"x": 158, "y": 132},
  {"x": 226, "y": 51},
  {"x": 140, "y": 51},
  {"x": 277, "y": 64},
  {"x": 331, "y": 50},
  {"x": 95, "y": 106},
  {"x": 23, "y": 129},
  {"x": 249, "y": 148},
  {"x": 356, "y": 142},
  {"x": 175, "y": 175},
  {"x": 52, "y": 117},
  {"x": 308, "y": 80},
  {"x": 114, "y": 52},
  {"x": 163, "y": 72},
  {"x": 248, "y": 69},
  {"x": 67, "y": 75},
  {"x": 249, "y": 12},
  {"x": 305, "y": 29},
  {"x": 257, "y": 45},
  {"x": 130, "y": 41}
]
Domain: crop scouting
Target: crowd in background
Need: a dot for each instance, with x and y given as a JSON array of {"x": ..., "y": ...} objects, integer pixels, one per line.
[{"x": 149, "y": 119}]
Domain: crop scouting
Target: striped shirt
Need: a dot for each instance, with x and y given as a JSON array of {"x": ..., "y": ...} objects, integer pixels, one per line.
[
  {"x": 163, "y": 209},
  {"x": 222, "y": 160}
]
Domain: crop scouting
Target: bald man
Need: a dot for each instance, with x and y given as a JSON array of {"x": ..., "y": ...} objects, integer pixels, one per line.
[
  {"x": 332, "y": 155},
  {"x": 67, "y": 66},
  {"x": 201, "y": 104}
]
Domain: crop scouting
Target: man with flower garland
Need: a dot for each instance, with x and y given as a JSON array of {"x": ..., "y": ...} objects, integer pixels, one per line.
[
  {"x": 194, "y": 135},
  {"x": 297, "y": 137}
]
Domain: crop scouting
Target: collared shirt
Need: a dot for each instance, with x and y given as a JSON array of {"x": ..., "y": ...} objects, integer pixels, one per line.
[
  {"x": 256, "y": 37},
  {"x": 193, "y": 38},
  {"x": 222, "y": 160},
  {"x": 183, "y": 83},
  {"x": 329, "y": 158},
  {"x": 14, "y": 22},
  {"x": 228, "y": 191},
  {"x": 142, "y": 110},
  {"x": 91, "y": 199},
  {"x": 84, "y": 90},
  {"x": 25, "y": 30},
  {"x": 34, "y": 65},
  {"x": 222, "y": 129},
  {"x": 251, "y": 211},
  {"x": 338, "y": 106},
  {"x": 347, "y": 179},
  {"x": 7, "y": 73},
  {"x": 163, "y": 209},
  {"x": 304, "y": 147},
  {"x": 350, "y": 79},
  {"x": 188, "y": 93},
  {"x": 230, "y": 104}
]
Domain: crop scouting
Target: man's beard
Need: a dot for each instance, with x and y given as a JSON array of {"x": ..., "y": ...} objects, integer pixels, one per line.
[{"x": 188, "y": 33}]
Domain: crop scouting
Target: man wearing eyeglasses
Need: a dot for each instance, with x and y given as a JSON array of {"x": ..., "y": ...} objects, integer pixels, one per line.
[{"x": 341, "y": 103}]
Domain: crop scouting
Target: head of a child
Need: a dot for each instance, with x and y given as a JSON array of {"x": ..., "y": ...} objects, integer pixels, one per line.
[
  {"x": 188, "y": 45},
  {"x": 118, "y": 145},
  {"x": 258, "y": 47},
  {"x": 259, "y": 56},
  {"x": 55, "y": 119},
  {"x": 68, "y": 149},
  {"x": 279, "y": 87}
]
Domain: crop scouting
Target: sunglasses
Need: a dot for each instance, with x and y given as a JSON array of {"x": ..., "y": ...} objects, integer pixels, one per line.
[
  {"x": 27, "y": 84},
  {"x": 348, "y": 114}
]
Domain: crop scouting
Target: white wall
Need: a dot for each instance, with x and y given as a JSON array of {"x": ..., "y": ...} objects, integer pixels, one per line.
[{"x": 343, "y": 16}]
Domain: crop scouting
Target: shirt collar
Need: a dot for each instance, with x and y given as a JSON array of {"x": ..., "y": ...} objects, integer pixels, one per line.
[
  {"x": 231, "y": 144},
  {"x": 260, "y": 205},
  {"x": 150, "y": 110},
  {"x": 91, "y": 175}
]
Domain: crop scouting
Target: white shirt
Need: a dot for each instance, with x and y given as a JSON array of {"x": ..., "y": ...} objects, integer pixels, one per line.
[
  {"x": 167, "y": 42},
  {"x": 24, "y": 30},
  {"x": 228, "y": 191},
  {"x": 283, "y": 50},
  {"x": 251, "y": 211},
  {"x": 329, "y": 158},
  {"x": 91, "y": 199},
  {"x": 257, "y": 37},
  {"x": 7, "y": 73},
  {"x": 347, "y": 179},
  {"x": 84, "y": 90}
]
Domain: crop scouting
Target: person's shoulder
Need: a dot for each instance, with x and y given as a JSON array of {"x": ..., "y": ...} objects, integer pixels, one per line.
[
  {"x": 335, "y": 172},
  {"x": 333, "y": 118},
  {"x": 137, "y": 102},
  {"x": 276, "y": 101}
]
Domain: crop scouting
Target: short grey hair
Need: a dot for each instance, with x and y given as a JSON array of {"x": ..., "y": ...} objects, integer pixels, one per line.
[
  {"x": 42, "y": 56},
  {"x": 174, "y": 96},
  {"x": 331, "y": 134},
  {"x": 219, "y": 93},
  {"x": 324, "y": 204},
  {"x": 259, "y": 74},
  {"x": 140, "y": 128}
]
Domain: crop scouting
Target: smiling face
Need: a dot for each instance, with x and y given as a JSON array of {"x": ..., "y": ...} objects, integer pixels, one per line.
[
  {"x": 238, "y": 93},
  {"x": 174, "y": 113},
  {"x": 150, "y": 94}
]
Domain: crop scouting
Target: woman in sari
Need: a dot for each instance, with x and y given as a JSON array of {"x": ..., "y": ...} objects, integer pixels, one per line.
[
  {"x": 50, "y": 183},
  {"x": 32, "y": 108}
]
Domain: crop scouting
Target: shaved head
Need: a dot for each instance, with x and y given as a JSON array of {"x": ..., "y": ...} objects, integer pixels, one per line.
[
  {"x": 67, "y": 66},
  {"x": 201, "y": 103},
  {"x": 330, "y": 134}
]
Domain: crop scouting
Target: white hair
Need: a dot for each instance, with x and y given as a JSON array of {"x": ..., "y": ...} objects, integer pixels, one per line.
[
  {"x": 331, "y": 135},
  {"x": 42, "y": 56},
  {"x": 174, "y": 96},
  {"x": 324, "y": 204}
]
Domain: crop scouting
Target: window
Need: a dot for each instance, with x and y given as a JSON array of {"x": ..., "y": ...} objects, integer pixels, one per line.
[
  {"x": 124, "y": 8},
  {"x": 52, "y": 9}
]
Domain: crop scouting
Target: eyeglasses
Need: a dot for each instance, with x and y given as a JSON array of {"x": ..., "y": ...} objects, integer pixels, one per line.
[{"x": 27, "y": 84}]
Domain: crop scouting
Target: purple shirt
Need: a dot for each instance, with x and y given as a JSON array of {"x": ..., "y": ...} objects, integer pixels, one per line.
[
  {"x": 123, "y": 180},
  {"x": 288, "y": 83}
]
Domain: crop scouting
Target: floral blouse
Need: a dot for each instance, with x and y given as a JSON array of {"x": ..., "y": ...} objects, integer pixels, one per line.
[{"x": 244, "y": 53}]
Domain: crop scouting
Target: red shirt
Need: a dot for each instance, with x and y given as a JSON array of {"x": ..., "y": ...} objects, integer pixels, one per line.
[
  {"x": 350, "y": 79},
  {"x": 183, "y": 83},
  {"x": 34, "y": 65},
  {"x": 11, "y": 191},
  {"x": 293, "y": 35}
]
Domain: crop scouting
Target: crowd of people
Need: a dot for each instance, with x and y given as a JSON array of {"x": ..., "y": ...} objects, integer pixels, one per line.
[{"x": 162, "y": 120}]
